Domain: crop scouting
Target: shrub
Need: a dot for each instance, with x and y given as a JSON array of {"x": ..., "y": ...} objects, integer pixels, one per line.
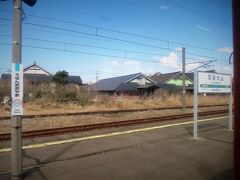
[
  {"x": 5, "y": 91},
  {"x": 42, "y": 90},
  {"x": 86, "y": 96},
  {"x": 61, "y": 77}
]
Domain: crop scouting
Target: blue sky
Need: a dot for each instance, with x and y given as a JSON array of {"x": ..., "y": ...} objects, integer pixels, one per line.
[{"x": 204, "y": 23}]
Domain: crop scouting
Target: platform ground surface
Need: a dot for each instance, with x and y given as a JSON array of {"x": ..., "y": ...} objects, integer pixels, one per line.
[{"x": 164, "y": 153}]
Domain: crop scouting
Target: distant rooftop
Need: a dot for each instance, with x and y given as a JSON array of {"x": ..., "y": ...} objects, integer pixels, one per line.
[{"x": 110, "y": 84}]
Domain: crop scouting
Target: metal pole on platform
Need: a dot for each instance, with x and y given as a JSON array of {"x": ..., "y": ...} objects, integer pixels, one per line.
[
  {"x": 16, "y": 122},
  {"x": 183, "y": 80},
  {"x": 230, "y": 107},
  {"x": 195, "y": 117}
]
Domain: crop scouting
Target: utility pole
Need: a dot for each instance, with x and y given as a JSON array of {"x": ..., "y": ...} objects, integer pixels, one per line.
[
  {"x": 97, "y": 77},
  {"x": 16, "y": 123},
  {"x": 195, "y": 105},
  {"x": 183, "y": 80},
  {"x": 17, "y": 90}
]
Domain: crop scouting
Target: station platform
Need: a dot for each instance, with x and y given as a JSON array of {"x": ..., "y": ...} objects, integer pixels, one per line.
[{"x": 153, "y": 151}]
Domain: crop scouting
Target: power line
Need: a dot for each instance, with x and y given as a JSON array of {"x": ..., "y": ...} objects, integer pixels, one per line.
[
  {"x": 196, "y": 12},
  {"x": 222, "y": 4},
  {"x": 121, "y": 40},
  {"x": 201, "y": 66},
  {"x": 112, "y": 38},
  {"x": 86, "y": 53},
  {"x": 101, "y": 36},
  {"x": 87, "y": 45},
  {"x": 209, "y": 57},
  {"x": 123, "y": 32},
  {"x": 96, "y": 35},
  {"x": 54, "y": 32},
  {"x": 201, "y": 62},
  {"x": 120, "y": 32}
]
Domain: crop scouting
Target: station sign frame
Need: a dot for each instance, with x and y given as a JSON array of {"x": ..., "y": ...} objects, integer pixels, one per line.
[{"x": 211, "y": 83}]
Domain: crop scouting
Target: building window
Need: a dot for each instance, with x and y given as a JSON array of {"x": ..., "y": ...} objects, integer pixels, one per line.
[
  {"x": 213, "y": 77},
  {"x": 209, "y": 77}
]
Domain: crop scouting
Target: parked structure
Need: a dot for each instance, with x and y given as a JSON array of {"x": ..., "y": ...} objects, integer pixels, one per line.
[
  {"x": 36, "y": 74},
  {"x": 130, "y": 85}
]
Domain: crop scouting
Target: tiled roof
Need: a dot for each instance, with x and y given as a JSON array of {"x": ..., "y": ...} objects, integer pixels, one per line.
[
  {"x": 36, "y": 78},
  {"x": 190, "y": 76},
  {"x": 161, "y": 78},
  {"x": 34, "y": 64},
  {"x": 111, "y": 84}
]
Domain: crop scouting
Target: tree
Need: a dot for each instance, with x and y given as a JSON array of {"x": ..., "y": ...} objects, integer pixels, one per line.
[{"x": 61, "y": 77}]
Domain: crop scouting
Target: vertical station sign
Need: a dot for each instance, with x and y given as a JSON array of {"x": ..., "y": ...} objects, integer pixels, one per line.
[{"x": 17, "y": 89}]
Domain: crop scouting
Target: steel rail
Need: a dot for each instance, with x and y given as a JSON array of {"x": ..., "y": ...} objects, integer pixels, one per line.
[
  {"x": 80, "y": 128},
  {"x": 105, "y": 112}
]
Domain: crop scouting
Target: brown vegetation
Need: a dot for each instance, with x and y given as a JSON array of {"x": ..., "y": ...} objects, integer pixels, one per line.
[{"x": 49, "y": 98}]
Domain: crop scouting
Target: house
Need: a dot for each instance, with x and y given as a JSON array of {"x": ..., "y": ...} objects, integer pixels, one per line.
[
  {"x": 36, "y": 69},
  {"x": 173, "y": 81},
  {"x": 36, "y": 74},
  {"x": 130, "y": 85}
]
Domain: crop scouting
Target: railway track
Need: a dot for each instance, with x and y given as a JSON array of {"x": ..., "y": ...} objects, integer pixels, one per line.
[
  {"x": 64, "y": 130},
  {"x": 106, "y": 112}
]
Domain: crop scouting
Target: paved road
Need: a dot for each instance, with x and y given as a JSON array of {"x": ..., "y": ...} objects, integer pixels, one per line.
[{"x": 152, "y": 153}]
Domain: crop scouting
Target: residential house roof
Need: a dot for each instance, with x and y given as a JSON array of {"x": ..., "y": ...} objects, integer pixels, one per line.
[
  {"x": 190, "y": 76},
  {"x": 35, "y": 73},
  {"x": 110, "y": 84},
  {"x": 161, "y": 78},
  {"x": 35, "y": 68},
  {"x": 36, "y": 78},
  {"x": 75, "y": 79},
  {"x": 119, "y": 83}
]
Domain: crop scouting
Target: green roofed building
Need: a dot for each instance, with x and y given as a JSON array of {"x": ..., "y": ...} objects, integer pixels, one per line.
[{"x": 173, "y": 81}]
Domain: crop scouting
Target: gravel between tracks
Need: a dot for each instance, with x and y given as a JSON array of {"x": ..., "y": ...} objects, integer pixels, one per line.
[{"x": 63, "y": 121}]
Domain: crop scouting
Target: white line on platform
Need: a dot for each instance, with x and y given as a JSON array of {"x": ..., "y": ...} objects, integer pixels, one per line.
[{"x": 32, "y": 146}]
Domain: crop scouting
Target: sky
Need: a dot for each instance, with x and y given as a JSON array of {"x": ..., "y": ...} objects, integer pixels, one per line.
[{"x": 101, "y": 39}]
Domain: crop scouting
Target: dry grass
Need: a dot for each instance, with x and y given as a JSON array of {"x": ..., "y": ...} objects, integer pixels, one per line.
[
  {"x": 109, "y": 103},
  {"x": 49, "y": 99}
]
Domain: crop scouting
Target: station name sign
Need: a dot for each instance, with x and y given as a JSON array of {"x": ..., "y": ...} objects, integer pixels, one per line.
[
  {"x": 17, "y": 89},
  {"x": 213, "y": 82}
]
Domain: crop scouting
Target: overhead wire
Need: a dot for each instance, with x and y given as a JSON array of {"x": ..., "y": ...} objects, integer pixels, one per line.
[
  {"x": 196, "y": 12},
  {"x": 117, "y": 31},
  {"x": 86, "y": 53},
  {"x": 117, "y": 39},
  {"x": 223, "y": 4},
  {"x": 90, "y": 46},
  {"x": 59, "y": 33},
  {"x": 96, "y": 35}
]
